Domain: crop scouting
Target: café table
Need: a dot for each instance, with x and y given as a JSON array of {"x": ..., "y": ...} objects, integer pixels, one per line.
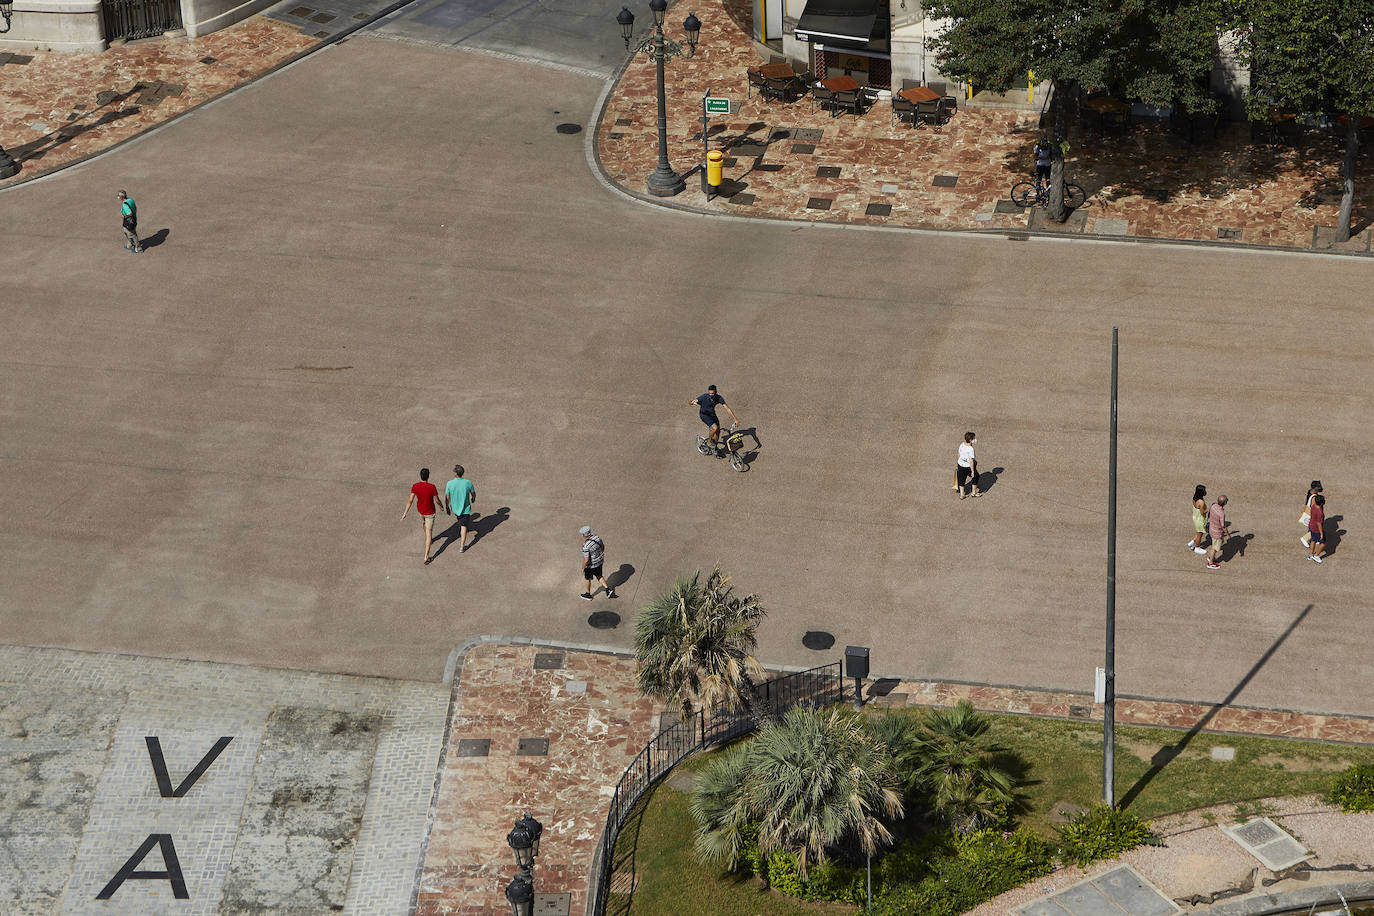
[
  {"x": 777, "y": 77},
  {"x": 918, "y": 94},
  {"x": 846, "y": 90}
]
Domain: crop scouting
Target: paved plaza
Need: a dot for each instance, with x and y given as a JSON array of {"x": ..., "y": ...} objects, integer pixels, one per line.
[{"x": 360, "y": 266}]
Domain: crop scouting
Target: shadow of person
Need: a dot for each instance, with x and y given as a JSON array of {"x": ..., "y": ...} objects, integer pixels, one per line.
[
  {"x": 988, "y": 479},
  {"x": 156, "y": 239},
  {"x": 1234, "y": 547},
  {"x": 620, "y": 576},
  {"x": 747, "y": 455},
  {"x": 483, "y": 525},
  {"x": 1332, "y": 530},
  {"x": 449, "y": 536}
]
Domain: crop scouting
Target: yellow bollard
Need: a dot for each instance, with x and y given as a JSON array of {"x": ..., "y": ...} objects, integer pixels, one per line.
[
  {"x": 715, "y": 161},
  {"x": 969, "y": 87},
  {"x": 1030, "y": 85}
]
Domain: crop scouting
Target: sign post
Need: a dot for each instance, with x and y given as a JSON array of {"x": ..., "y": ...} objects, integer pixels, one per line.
[{"x": 709, "y": 105}]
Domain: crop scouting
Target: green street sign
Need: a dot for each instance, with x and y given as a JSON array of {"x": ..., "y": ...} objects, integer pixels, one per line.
[{"x": 717, "y": 106}]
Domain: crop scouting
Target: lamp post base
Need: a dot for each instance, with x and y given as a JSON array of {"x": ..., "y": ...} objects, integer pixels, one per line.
[
  {"x": 8, "y": 167},
  {"x": 665, "y": 183}
]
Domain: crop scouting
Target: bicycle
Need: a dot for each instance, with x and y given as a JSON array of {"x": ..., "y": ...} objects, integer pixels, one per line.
[
  {"x": 1028, "y": 193},
  {"x": 733, "y": 448}
]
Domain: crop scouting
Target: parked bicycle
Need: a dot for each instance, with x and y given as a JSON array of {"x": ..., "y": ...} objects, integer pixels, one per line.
[{"x": 1028, "y": 193}]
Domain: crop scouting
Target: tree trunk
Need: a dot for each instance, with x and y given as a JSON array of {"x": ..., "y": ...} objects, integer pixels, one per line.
[
  {"x": 1352, "y": 149},
  {"x": 1056, "y": 210}
]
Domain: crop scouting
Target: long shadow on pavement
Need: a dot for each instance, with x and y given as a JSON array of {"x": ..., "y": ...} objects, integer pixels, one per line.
[{"x": 1166, "y": 755}]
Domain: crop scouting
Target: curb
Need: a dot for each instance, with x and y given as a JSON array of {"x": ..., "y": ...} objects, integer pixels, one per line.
[{"x": 1289, "y": 901}]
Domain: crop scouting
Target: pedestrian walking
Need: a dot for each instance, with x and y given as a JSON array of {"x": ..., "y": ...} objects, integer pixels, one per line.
[
  {"x": 1218, "y": 529},
  {"x": 1306, "y": 516},
  {"x": 424, "y": 495},
  {"x": 128, "y": 212},
  {"x": 459, "y": 497},
  {"x": 1199, "y": 518},
  {"x": 593, "y": 556},
  {"x": 1317, "y": 511},
  {"x": 966, "y": 470}
]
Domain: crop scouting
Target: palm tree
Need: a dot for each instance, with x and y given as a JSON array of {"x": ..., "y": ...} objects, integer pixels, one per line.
[
  {"x": 810, "y": 782},
  {"x": 956, "y": 763},
  {"x": 694, "y": 644}
]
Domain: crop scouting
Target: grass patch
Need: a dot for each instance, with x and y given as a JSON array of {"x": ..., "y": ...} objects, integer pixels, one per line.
[{"x": 1060, "y": 762}]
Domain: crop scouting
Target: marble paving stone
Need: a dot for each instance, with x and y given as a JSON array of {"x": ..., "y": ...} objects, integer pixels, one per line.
[{"x": 298, "y": 828}]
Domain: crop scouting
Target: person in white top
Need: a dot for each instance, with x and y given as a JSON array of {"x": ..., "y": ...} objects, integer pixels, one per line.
[{"x": 966, "y": 471}]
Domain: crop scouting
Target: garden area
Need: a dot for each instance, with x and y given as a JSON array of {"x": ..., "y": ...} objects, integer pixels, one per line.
[
  {"x": 948, "y": 807},
  {"x": 932, "y": 867}
]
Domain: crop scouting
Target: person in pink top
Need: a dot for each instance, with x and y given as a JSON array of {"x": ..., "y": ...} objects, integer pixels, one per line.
[
  {"x": 1219, "y": 529},
  {"x": 424, "y": 495},
  {"x": 1317, "y": 511}
]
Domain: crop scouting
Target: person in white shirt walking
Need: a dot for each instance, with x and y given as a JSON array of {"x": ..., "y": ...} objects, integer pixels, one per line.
[{"x": 966, "y": 471}]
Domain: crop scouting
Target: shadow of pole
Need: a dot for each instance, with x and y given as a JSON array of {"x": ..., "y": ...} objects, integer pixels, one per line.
[{"x": 1167, "y": 755}]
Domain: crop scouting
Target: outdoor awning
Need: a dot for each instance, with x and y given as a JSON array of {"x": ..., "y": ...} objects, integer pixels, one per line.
[{"x": 838, "y": 23}]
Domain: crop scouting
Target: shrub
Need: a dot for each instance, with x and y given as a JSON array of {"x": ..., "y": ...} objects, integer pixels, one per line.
[
  {"x": 783, "y": 875},
  {"x": 1353, "y": 790},
  {"x": 984, "y": 864},
  {"x": 1101, "y": 833}
]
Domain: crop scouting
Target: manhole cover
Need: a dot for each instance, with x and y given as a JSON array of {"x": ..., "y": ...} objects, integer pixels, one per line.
[
  {"x": 567, "y": 127},
  {"x": 818, "y": 640},
  {"x": 604, "y": 620}
]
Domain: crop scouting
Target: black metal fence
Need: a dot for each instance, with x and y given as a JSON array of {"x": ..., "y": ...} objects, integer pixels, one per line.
[
  {"x": 707, "y": 728},
  {"x": 129, "y": 19}
]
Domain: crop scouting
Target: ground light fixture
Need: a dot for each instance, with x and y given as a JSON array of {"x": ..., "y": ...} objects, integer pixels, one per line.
[
  {"x": 662, "y": 181},
  {"x": 520, "y": 896}
]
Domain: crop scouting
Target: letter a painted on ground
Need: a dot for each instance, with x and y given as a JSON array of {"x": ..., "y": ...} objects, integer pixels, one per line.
[
  {"x": 171, "y": 868},
  {"x": 164, "y": 780}
]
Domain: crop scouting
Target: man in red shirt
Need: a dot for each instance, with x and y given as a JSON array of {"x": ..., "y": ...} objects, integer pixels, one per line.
[{"x": 423, "y": 495}]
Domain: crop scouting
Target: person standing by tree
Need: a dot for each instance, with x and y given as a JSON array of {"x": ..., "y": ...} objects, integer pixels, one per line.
[
  {"x": 128, "y": 212},
  {"x": 424, "y": 495},
  {"x": 459, "y": 498}
]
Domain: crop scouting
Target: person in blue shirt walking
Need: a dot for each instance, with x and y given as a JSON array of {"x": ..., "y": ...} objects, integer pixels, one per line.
[
  {"x": 459, "y": 498},
  {"x": 128, "y": 211}
]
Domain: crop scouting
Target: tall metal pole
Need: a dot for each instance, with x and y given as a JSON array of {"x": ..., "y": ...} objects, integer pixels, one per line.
[
  {"x": 663, "y": 181},
  {"x": 1109, "y": 697}
]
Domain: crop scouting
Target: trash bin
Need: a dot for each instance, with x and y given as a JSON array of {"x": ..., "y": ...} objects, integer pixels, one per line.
[{"x": 715, "y": 160}]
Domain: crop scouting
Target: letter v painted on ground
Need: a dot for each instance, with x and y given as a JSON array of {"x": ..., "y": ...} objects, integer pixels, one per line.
[{"x": 164, "y": 780}]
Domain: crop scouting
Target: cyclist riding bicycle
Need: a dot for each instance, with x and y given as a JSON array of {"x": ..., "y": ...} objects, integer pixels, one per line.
[{"x": 706, "y": 407}]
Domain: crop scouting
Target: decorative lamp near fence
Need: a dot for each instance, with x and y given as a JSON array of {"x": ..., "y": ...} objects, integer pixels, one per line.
[
  {"x": 535, "y": 830},
  {"x": 520, "y": 896},
  {"x": 6, "y": 10}
]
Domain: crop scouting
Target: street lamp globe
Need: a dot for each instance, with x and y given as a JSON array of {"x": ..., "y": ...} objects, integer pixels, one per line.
[
  {"x": 659, "y": 7},
  {"x": 534, "y": 828},
  {"x": 627, "y": 23},
  {"x": 522, "y": 844},
  {"x": 520, "y": 896},
  {"x": 692, "y": 26}
]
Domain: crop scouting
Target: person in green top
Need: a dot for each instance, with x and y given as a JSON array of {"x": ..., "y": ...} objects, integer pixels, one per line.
[
  {"x": 128, "y": 210},
  {"x": 460, "y": 497}
]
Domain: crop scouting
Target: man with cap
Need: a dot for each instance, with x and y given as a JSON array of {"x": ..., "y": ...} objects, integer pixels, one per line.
[{"x": 593, "y": 555}]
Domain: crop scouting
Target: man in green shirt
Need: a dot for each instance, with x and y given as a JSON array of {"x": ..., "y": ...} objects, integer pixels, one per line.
[
  {"x": 461, "y": 496},
  {"x": 128, "y": 211}
]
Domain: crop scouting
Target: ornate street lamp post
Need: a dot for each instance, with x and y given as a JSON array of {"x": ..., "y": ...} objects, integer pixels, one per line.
[
  {"x": 8, "y": 167},
  {"x": 523, "y": 841},
  {"x": 663, "y": 181}
]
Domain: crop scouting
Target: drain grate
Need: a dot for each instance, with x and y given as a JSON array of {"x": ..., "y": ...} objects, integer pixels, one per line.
[
  {"x": 819, "y": 640},
  {"x": 548, "y": 661},
  {"x": 567, "y": 127},
  {"x": 819, "y": 203},
  {"x": 1266, "y": 841},
  {"x": 878, "y": 210},
  {"x": 474, "y": 747},
  {"x": 532, "y": 747},
  {"x": 945, "y": 181},
  {"x": 803, "y": 149},
  {"x": 828, "y": 171},
  {"x": 604, "y": 620}
]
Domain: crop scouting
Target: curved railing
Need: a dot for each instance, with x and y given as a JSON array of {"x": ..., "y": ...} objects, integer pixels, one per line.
[{"x": 709, "y": 727}]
